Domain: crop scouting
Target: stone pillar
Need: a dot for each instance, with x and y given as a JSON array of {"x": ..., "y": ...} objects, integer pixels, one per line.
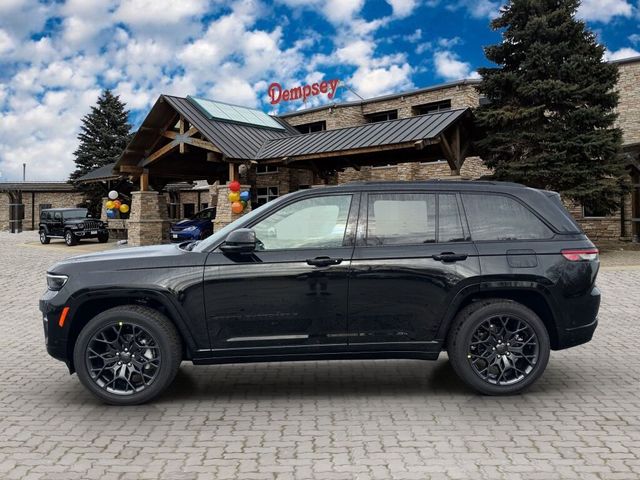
[
  {"x": 4, "y": 212},
  {"x": 224, "y": 215},
  {"x": 148, "y": 222},
  {"x": 103, "y": 210}
]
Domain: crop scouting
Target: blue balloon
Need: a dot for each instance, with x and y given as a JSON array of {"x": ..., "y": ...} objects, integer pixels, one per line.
[
  {"x": 245, "y": 196},
  {"x": 111, "y": 213}
]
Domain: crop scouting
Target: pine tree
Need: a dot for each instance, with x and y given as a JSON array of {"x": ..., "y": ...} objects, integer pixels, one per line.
[
  {"x": 549, "y": 122},
  {"x": 103, "y": 136}
]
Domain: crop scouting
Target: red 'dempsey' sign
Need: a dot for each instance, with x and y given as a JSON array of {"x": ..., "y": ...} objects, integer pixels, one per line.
[{"x": 277, "y": 94}]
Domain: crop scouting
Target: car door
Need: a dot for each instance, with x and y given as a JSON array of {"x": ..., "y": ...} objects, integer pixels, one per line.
[
  {"x": 413, "y": 254},
  {"x": 57, "y": 224},
  {"x": 290, "y": 294}
]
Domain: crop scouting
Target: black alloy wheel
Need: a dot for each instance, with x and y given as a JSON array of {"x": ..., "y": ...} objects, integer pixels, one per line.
[
  {"x": 123, "y": 358},
  {"x": 498, "y": 347},
  {"x": 69, "y": 238},
  {"x": 128, "y": 355},
  {"x": 43, "y": 238},
  {"x": 103, "y": 237},
  {"x": 503, "y": 350}
]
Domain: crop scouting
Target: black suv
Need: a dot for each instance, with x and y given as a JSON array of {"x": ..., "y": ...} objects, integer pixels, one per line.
[
  {"x": 71, "y": 224},
  {"x": 496, "y": 274}
]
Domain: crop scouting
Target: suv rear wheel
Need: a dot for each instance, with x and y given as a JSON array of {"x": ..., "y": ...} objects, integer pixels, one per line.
[
  {"x": 127, "y": 355},
  {"x": 498, "y": 347},
  {"x": 43, "y": 237},
  {"x": 70, "y": 239}
]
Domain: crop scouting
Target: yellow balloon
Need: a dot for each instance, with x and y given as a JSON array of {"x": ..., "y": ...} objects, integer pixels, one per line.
[
  {"x": 234, "y": 196},
  {"x": 124, "y": 208},
  {"x": 109, "y": 205}
]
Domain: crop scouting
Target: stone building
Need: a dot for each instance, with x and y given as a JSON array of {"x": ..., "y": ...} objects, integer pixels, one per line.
[{"x": 207, "y": 144}]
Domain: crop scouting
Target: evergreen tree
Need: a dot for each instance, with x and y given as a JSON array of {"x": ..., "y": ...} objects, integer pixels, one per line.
[
  {"x": 103, "y": 136},
  {"x": 549, "y": 122}
]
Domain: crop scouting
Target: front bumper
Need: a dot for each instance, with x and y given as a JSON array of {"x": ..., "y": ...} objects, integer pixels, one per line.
[
  {"x": 55, "y": 336},
  {"x": 90, "y": 233}
]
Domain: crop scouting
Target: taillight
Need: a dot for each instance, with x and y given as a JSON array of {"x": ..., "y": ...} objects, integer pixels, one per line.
[{"x": 581, "y": 255}]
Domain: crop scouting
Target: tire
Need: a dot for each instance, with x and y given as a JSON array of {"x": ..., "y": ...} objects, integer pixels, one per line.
[
  {"x": 43, "y": 237},
  {"x": 162, "y": 351},
  {"x": 498, "y": 362},
  {"x": 103, "y": 237},
  {"x": 70, "y": 239}
]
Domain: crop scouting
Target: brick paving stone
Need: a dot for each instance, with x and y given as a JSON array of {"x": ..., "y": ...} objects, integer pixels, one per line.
[{"x": 319, "y": 420}]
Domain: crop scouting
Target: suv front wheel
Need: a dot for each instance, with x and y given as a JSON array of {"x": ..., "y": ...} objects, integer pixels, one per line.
[
  {"x": 43, "y": 237},
  {"x": 127, "y": 355},
  {"x": 498, "y": 347},
  {"x": 70, "y": 239}
]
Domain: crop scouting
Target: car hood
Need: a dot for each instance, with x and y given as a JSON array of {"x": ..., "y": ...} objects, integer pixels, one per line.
[
  {"x": 131, "y": 258},
  {"x": 188, "y": 222}
]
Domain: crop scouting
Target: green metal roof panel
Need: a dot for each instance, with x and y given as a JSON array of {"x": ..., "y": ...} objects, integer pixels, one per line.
[{"x": 234, "y": 113}]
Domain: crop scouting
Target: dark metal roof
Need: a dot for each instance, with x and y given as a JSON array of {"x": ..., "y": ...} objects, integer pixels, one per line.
[
  {"x": 236, "y": 141},
  {"x": 391, "y": 132},
  {"x": 98, "y": 174},
  {"x": 37, "y": 186}
]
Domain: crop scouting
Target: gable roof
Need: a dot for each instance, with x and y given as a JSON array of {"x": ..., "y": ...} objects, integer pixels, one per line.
[
  {"x": 97, "y": 174},
  {"x": 390, "y": 132}
]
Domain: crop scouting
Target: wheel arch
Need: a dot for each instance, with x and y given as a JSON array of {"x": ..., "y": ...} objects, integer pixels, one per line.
[
  {"x": 87, "y": 306},
  {"x": 535, "y": 298}
]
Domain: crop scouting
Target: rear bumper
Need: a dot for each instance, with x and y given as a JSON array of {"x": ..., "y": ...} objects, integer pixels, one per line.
[{"x": 582, "y": 321}]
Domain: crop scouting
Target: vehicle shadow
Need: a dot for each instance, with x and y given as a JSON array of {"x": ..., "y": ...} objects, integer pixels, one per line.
[{"x": 315, "y": 379}]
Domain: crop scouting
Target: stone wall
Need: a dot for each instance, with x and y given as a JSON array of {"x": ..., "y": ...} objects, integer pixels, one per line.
[
  {"x": 5, "y": 200},
  {"x": 224, "y": 215},
  {"x": 629, "y": 105},
  {"x": 461, "y": 95},
  {"x": 54, "y": 199}
]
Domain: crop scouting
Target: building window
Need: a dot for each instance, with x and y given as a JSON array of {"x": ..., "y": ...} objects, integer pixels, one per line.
[
  {"x": 432, "y": 107},
  {"x": 266, "y": 168},
  {"x": 266, "y": 194},
  {"x": 204, "y": 205},
  {"x": 382, "y": 116},
  {"x": 189, "y": 210},
  {"x": 593, "y": 210},
  {"x": 312, "y": 127}
]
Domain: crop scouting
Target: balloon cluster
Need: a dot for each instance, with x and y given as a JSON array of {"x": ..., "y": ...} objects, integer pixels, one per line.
[
  {"x": 115, "y": 206},
  {"x": 237, "y": 198}
]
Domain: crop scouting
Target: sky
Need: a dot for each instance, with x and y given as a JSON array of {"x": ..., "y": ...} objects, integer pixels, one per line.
[{"x": 57, "y": 55}]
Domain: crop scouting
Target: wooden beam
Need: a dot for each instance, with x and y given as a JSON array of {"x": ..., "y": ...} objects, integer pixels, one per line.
[
  {"x": 131, "y": 169},
  {"x": 196, "y": 142},
  {"x": 448, "y": 153},
  {"x": 181, "y": 128},
  {"x": 144, "y": 180},
  {"x": 159, "y": 153},
  {"x": 233, "y": 172}
]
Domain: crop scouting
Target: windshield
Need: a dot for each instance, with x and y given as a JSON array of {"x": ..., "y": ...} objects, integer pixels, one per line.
[
  {"x": 73, "y": 214},
  {"x": 207, "y": 243}
]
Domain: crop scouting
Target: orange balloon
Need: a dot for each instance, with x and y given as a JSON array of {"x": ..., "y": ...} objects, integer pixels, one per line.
[
  {"x": 116, "y": 204},
  {"x": 236, "y": 207}
]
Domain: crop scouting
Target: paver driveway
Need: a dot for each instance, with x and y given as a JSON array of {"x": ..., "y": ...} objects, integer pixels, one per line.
[{"x": 325, "y": 420}]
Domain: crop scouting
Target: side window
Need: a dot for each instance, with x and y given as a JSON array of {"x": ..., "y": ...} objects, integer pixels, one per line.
[
  {"x": 449, "y": 221},
  {"x": 401, "y": 218},
  {"x": 57, "y": 216},
  {"x": 497, "y": 217},
  {"x": 318, "y": 222}
]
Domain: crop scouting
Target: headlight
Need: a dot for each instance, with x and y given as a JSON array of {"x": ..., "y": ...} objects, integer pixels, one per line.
[
  {"x": 81, "y": 226},
  {"x": 56, "y": 282},
  {"x": 190, "y": 229}
]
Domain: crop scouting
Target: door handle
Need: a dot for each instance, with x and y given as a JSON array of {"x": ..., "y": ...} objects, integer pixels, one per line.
[
  {"x": 447, "y": 257},
  {"x": 323, "y": 261}
]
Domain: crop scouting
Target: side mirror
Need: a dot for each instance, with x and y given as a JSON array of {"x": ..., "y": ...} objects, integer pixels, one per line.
[{"x": 242, "y": 240}]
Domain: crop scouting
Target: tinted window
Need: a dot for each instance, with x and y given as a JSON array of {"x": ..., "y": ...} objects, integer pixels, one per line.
[
  {"x": 401, "y": 219},
  {"x": 75, "y": 214},
  {"x": 449, "y": 222},
  {"x": 310, "y": 223},
  {"x": 496, "y": 217}
]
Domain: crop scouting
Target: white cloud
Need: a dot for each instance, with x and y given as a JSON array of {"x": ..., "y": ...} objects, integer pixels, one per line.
[
  {"x": 449, "y": 67},
  {"x": 158, "y": 12},
  {"x": 402, "y": 8},
  {"x": 336, "y": 11},
  {"x": 621, "y": 54},
  {"x": 604, "y": 10},
  {"x": 6, "y": 42},
  {"x": 370, "y": 82},
  {"x": 634, "y": 38},
  {"x": 476, "y": 8}
]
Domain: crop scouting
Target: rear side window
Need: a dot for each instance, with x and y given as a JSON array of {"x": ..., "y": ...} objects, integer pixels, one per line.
[
  {"x": 497, "y": 217},
  {"x": 401, "y": 219}
]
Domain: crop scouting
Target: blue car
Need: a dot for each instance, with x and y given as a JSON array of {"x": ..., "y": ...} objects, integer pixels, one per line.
[{"x": 195, "y": 228}]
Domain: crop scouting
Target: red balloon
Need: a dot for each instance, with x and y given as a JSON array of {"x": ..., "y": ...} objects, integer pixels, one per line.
[
  {"x": 236, "y": 207},
  {"x": 234, "y": 186}
]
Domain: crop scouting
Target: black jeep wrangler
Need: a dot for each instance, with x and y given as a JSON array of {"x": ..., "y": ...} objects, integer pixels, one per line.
[{"x": 71, "y": 224}]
